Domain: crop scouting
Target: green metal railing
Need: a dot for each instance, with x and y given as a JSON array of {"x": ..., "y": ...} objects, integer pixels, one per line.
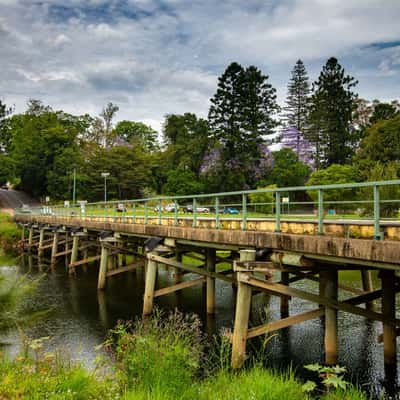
[{"x": 372, "y": 201}]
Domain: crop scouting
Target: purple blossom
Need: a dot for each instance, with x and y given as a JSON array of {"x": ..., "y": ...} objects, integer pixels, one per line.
[{"x": 293, "y": 139}]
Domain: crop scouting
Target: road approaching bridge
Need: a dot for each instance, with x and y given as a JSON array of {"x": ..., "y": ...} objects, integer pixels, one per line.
[{"x": 276, "y": 237}]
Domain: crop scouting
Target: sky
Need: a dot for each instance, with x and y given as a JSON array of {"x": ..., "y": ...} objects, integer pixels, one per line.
[{"x": 156, "y": 57}]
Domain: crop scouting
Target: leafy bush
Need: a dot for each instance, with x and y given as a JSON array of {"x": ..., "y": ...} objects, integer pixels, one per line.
[
  {"x": 265, "y": 198},
  {"x": 159, "y": 355}
]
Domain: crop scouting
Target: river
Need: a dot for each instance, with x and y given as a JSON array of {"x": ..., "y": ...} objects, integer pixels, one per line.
[{"x": 80, "y": 317}]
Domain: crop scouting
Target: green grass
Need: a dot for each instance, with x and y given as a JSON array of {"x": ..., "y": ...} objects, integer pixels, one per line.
[{"x": 9, "y": 232}]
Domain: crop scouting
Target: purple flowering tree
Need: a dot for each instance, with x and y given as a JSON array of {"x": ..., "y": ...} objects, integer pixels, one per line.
[{"x": 293, "y": 139}]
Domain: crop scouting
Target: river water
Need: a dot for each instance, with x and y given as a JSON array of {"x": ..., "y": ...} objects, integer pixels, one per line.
[{"x": 80, "y": 317}]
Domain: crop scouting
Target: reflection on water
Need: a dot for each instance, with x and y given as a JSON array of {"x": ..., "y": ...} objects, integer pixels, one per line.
[{"x": 81, "y": 316}]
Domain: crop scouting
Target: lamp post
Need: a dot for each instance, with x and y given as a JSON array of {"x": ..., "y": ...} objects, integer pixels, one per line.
[
  {"x": 105, "y": 175},
  {"x": 74, "y": 189}
]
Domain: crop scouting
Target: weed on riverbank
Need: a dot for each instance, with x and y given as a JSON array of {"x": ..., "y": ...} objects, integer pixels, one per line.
[
  {"x": 160, "y": 358},
  {"x": 9, "y": 232}
]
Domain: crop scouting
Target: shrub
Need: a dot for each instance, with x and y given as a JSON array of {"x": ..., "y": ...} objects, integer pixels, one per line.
[{"x": 161, "y": 354}]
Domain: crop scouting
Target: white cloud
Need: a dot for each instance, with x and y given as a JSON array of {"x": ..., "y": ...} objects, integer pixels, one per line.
[{"x": 154, "y": 58}]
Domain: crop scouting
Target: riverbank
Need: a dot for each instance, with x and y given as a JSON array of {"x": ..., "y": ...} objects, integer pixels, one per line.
[
  {"x": 9, "y": 231},
  {"x": 164, "y": 358}
]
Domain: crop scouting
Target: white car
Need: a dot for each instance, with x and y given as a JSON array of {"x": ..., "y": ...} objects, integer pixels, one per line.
[{"x": 171, "y": 207}]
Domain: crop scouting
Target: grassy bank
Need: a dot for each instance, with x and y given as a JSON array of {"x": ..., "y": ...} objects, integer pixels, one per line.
[
  {"x": 157, "y": 359},
  {"x": 9, "y": 232}
]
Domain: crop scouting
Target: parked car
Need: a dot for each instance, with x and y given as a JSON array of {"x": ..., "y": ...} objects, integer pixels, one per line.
[
  {"x": 120, "y": 207},
  {"x": 158, "y": 209},
  {"x": 171, "y": 207},
  {"x": 188, "y": 208},
  {"x": 230, "y": 210}
]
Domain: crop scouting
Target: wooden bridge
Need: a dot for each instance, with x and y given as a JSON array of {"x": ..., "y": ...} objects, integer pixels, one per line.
[{"x": 264, "y": 253}]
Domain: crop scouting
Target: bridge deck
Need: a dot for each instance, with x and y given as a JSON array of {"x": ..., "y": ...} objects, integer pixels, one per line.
[{"x": 331, "y": 247}]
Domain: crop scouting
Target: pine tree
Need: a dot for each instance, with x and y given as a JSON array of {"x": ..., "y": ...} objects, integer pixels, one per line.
[
  {"x": 241, "y": 114},
  {"x": 297, "y": 100},
  {"x": 331, "y": 110}
]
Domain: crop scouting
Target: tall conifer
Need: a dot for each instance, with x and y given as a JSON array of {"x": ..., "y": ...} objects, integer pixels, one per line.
[{"x": 332, "y": 105}]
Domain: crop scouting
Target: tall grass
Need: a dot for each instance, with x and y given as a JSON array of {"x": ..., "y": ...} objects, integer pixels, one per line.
[{"x": 9, "y": 232}]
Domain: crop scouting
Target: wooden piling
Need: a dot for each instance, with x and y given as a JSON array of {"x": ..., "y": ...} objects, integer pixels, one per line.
[
  {"x": 74, "y": 254},
  {"x": 285, "y": 299},
  {"x": 178, "y": 273},
  {"x": 242, "y": 315},
  {"x": 367, "y": 285},
  {"x": 30, "y": 238},
  {"x": 329, "y": 282},
  {"x": 151, "y": 274},
  {"x": 210, "y": 266},
  {"x": 101, "y": 283},
  {"x": 54, "y": 249},
  {"x": 389, "y": 311},
  {"x": 41, "y": 238},
  {"x": 22, "y": 233}
]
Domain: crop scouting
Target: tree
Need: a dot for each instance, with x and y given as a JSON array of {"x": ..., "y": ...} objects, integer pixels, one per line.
[
  {"x": 182, "y": 182},
  {"x": 7, "y": 168},
  {"x": 187, "y": 140},
  {"x": 241, "y": 114},
  {"x": 4, "y": 132},
  {"x": 129, "y": 173},
  {"x": 107, "y": 114},
  {"x": 380, "y": 144},
  {"x": 297, "y": 103},
  {"x": 287, "y": 170},
  {"x": 335, "y": 174},
  {"x": 132, "y": 131},
  {"x": 383, "y": 111},
  {"x": 332, "y": 105},
  {"x": 265, "y": 198},
  {"x": 39, "y": 140},
  {"x": 294, "y": 140}
]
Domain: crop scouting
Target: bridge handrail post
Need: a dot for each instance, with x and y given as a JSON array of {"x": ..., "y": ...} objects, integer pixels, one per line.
[
  {"x": 146, "y": 213},
  {"x": 377, "y": 230},
  {"x": 277, "y": 212},
  {"x": 320, "y": 212},
  {"x": 217, "y": 225},
  {"x": 244, "y": 211},
  {"x": 176, "y": 212},
  {"x": 159, "y": 212},
  {"x": 134, "y": 212},
  {"x": 194, "y": 212}
]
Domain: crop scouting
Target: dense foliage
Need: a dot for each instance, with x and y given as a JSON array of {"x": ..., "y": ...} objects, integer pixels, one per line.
[{"x": 327, "y": 135}]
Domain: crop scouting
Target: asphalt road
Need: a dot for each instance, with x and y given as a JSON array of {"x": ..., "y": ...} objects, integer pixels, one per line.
[{"x": 11, "y": 199}]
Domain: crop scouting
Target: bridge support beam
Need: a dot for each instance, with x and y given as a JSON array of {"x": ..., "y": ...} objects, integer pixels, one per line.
[
  {"x": 54, "y": 249},
  {"x": 242, "y": 315},
  {"x": 367, "y": 286},
  {"x": 285, "y": 299},
  {"x": 30, "y": 238},
  {"x": 210, "y": 266},
  {"x": 41, "y": 238},
  {"x": 74, "y": 254},
  {"x": 101, "y": 283},
  {"x": 151, "y": 274},
  {"x": 178, "y": 273},
  {"x": 329, "y": 283},
  {"x": 389, "y": 311}
]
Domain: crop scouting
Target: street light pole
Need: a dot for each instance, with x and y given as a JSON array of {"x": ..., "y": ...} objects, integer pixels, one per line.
[
  {"x": 105, "y": 175},
  {"x": 74, "y": 189}
]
